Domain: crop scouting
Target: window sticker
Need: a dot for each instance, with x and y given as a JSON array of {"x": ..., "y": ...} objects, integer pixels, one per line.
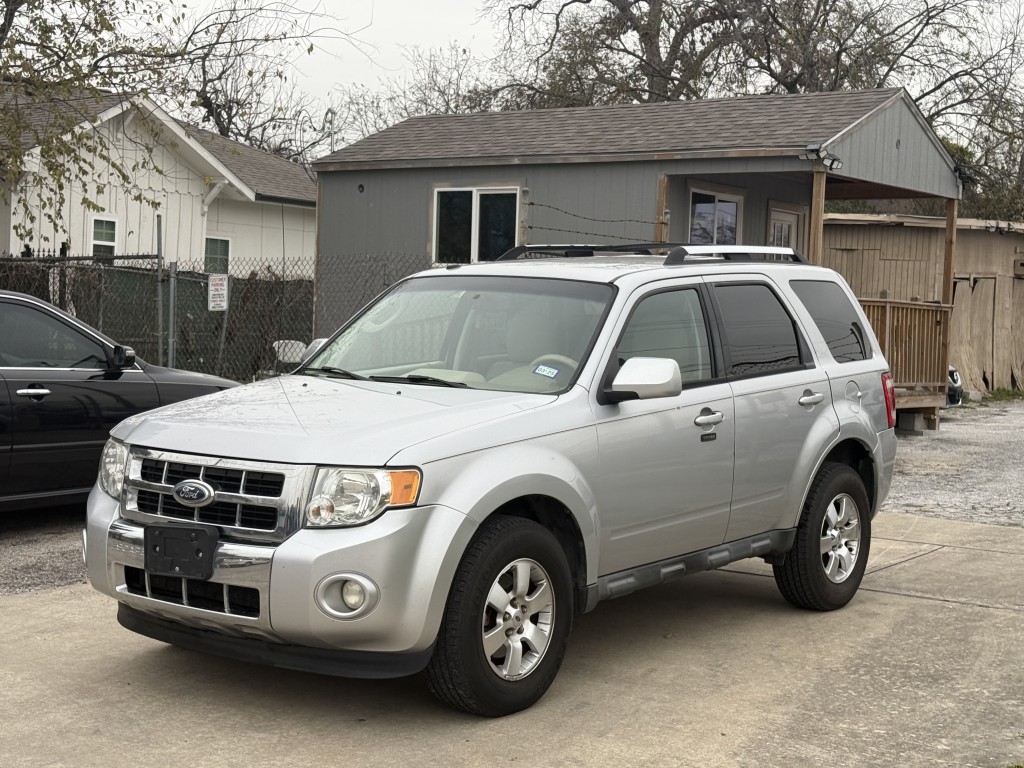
[{"x": 546, "y": 370}]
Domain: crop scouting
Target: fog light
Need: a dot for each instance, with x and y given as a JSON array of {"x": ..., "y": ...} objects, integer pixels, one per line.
[
  {"x": 353, "y": 594},
  {"x": 346, "y": 595}
]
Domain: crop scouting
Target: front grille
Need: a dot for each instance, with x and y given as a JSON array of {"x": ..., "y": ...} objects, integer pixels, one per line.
[
  {"x": 261, "y": 518},
  {"x": 253, "y": 501},
  {"x": 241, "y": 481},
  {"x": 206, "y": 595}
]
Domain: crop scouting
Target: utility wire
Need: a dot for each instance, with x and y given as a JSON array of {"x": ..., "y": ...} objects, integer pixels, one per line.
[{"x": 588, "y": 218}]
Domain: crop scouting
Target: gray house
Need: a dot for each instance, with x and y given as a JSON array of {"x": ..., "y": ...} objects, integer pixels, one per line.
[{"x": 751, "y": 170}]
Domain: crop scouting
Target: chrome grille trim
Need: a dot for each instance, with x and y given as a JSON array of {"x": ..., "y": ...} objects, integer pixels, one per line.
[{"x": 287, "y": 507}]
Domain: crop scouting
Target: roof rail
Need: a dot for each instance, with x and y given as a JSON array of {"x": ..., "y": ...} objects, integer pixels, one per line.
[
  {"x": 573, "y": 250},
  {"x": 682, "y": 254}
]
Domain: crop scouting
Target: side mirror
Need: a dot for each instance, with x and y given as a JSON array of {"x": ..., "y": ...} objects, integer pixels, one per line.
[
  {"x": 644, "y": 378},
  {"x": 313, "y": 348},
  {"x": 124, "y": 357}
]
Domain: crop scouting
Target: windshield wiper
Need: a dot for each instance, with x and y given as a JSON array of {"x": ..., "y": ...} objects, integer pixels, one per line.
[
  {"x": 339, "y": 372},
  {"x": 418, "y": 379}
]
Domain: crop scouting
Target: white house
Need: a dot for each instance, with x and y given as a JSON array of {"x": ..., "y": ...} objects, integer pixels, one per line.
[{"x": 224, "y": 205}]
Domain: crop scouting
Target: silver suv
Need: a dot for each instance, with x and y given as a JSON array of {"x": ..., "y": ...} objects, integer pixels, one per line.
[{"x": 487, "y": 450}]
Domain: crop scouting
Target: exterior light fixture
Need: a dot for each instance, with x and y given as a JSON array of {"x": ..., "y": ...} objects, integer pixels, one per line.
[{"x": 819, "y": 154}]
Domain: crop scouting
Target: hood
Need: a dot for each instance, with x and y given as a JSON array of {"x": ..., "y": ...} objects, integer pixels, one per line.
[
  {"x": 160, "y": 375},
  {"x": 311, "y": 420}
]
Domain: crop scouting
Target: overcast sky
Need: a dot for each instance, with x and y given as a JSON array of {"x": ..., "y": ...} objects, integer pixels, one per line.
[{"x": 384, "y": 27}]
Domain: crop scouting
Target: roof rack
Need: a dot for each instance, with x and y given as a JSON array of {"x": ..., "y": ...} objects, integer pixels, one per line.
[
  {"x": 682, "y": 254},
  {"x": 579, "y": 249},
  {"x": 678, "y": 253}
]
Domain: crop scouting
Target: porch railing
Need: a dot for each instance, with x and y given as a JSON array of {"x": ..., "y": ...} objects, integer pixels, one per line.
[{"x": 911, "y": 335}]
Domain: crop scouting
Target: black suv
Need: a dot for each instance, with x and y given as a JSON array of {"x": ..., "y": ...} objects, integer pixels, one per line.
[{"x": 63, "y": 386}]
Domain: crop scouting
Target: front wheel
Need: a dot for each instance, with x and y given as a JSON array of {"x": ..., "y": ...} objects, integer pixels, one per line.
[
  {"x": 507, "y": 621},
  {"x": 826, "y": 564}
]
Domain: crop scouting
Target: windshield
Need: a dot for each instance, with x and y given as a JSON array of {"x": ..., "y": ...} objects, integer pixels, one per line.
[{"x": 507, "y": 333}]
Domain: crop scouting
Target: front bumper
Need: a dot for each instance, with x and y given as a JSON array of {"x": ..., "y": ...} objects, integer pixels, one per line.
[
  {"x": 365, "y": 664},
  {"x": 410, "y": 555}
]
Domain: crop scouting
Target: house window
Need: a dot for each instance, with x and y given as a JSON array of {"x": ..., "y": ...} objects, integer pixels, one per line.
[
  {"x": 715, "y": 218},
  {"x": 215, "y": 257},
  {"x": 104, "y": 237},
  {"x": 474, "y": 224}
]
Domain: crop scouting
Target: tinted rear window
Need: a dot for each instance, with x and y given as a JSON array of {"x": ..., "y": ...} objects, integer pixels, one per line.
[
  {"x": 760, "y": 337},
  {"x": 835, "y": 316}
]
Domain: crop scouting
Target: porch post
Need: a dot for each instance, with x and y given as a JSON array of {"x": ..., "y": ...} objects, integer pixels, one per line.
[
  {"x": 947, "y": 280},
  {"x": 947, "y": 272},
  {"x": 660, "y": 224},
  {"x": 816, "y": 238}
]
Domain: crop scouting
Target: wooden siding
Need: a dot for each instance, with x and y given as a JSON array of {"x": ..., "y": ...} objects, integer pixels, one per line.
[
  {"x": 897, "y": 263},
  {"x": 263, "y": 235},
  {"x": 178, "y": 192},
  {"x": 988, "y": 325},
  {"x": 893, "y": 147}
]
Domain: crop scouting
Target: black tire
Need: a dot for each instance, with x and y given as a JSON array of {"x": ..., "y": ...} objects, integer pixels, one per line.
[
  {"x": 461, "y": 673},
  {"x": 824, "y": 581}
]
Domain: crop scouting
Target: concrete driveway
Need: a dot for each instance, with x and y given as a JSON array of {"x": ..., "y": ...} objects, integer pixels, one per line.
[{"x": 924, "y": 668}]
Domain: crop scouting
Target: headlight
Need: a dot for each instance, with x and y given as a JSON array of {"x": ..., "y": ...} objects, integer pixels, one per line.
[
  {"x": 112, "y": 465},
  {"x": 343, "y": 496}
]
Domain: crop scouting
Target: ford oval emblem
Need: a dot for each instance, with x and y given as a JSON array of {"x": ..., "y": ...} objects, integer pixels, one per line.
[{"x": 193, "y": 493}]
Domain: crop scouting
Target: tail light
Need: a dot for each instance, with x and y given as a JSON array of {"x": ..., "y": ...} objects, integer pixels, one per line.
[{"x": 889, "y": 387}]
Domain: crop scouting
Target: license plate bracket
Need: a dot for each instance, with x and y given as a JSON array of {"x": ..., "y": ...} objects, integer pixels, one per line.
[{"x": 178, "y": 550}]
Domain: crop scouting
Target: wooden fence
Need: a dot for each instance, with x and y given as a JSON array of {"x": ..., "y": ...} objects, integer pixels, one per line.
[{"x": 913, "y": 337}]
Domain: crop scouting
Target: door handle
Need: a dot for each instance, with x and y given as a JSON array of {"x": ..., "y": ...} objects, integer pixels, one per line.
[
  {"x": 811, "y": 398},
  {"x": 33, "y": 391},
  {"x": 709, "y": 418}
]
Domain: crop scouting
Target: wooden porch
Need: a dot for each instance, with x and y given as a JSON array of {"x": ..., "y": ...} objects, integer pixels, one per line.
[{"x": 914, "y": 337}]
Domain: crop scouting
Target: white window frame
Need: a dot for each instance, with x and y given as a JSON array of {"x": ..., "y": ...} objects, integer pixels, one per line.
[
  {"x": 728, "y": 194},
  {"x": 231, "y": 249},
  {"x": 92, "y": 234},
  {"x": 474, "y": 234}
]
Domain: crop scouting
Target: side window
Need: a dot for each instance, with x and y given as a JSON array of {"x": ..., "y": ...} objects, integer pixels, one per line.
[
  {"x": 760, "y": 337},
  {"x": 669, "y": 324},
  {"x": 31, "y": 338},
  {"x": 836, "y": 318}
]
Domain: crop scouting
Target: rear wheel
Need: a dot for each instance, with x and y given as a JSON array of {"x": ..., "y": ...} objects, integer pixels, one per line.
[
  {"x": 824, "y": 568},
  {"x": 507, "y": 621}
]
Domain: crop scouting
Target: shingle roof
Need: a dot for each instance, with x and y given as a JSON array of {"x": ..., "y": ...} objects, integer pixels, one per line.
[
  {"x": 36, "y": 114},
  {"x": 742, "y": 122},
  {"x": 269, "y": 176}
]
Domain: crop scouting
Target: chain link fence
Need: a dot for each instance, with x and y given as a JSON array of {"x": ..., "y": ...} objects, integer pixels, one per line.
[
  {"x": 129, "y": 298},
  {"x": 347, "y": 282},
  {"x": 164, "y": 313}
]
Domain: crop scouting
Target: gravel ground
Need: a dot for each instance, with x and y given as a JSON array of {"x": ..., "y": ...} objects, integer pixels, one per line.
[
  {"x": 972, "y": 469},
  {"x": 41, "y": 548}
]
